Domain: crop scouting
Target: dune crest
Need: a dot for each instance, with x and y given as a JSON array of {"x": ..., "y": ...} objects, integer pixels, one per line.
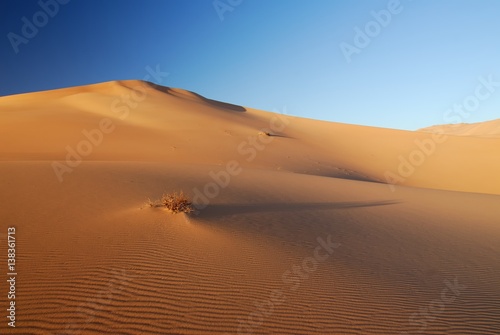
[{"x": 488, "y": 129}]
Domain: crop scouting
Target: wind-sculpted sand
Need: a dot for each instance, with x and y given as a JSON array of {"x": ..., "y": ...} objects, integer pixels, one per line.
[{"x": 301, "y": 226}]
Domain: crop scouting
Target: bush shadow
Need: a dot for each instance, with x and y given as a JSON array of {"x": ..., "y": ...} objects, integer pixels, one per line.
[{"x": 220, "y": 210}]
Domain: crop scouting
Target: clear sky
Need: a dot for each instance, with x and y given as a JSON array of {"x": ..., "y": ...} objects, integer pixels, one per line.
[{"x": 321, "y": 59}]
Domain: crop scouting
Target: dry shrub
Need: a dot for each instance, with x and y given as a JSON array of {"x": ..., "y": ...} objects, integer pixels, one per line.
[{"x": 177, "y": 203}]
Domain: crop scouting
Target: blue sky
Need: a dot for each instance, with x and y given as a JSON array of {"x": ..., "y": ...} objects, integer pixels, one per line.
[{"x": 270, "y": 54}]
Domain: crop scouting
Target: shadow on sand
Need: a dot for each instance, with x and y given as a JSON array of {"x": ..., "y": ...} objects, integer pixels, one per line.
[
  {"x": 214, "y": 103},
  {"x": 218, "y": 210}
]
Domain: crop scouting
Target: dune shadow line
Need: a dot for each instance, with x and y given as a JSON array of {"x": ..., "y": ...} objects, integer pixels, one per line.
[
  {"x": 214, "y": 103},
  {"x": 218, "y": 210}
]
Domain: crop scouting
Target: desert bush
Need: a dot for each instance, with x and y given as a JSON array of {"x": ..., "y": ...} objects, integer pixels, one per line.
[{"x": 176, "y": 203}]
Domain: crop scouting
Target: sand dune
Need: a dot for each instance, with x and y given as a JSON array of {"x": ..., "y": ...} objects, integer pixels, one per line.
[
  {"x": 299, "y": 229},
  {"x": 481, "y": 129}
]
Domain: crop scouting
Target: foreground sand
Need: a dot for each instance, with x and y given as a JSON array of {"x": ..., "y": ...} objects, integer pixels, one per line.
[{"x": 306, "y": 238}]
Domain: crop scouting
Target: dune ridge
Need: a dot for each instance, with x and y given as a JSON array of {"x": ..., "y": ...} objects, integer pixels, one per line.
[{"x": 488, "y": 129}]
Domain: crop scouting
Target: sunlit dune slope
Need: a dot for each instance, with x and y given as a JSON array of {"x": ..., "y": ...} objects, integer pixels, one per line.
[
  {"x": 143, "y": 121},
  {"x": 489, "y": 129}
]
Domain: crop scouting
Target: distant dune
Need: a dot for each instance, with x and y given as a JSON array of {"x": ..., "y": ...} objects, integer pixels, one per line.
[
  {"x": 489, "y": 129},
  {"x": 302, "y": 226}
]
